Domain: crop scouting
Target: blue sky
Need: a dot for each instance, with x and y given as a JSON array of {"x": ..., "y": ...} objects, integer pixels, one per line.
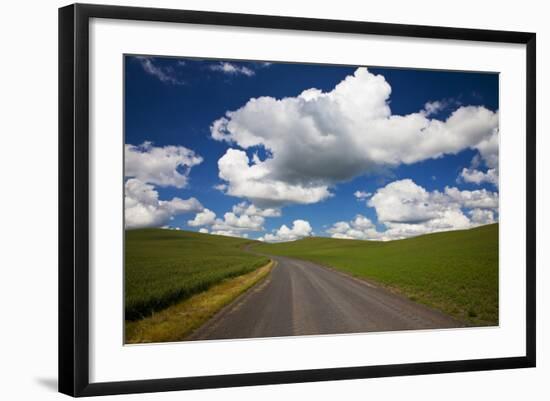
[{"x": 390, "y": 154}]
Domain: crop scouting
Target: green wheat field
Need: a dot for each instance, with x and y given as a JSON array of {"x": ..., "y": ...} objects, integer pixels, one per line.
[
  {"x": 163, "y": 267},
  {"x": 455, "y": 272}
]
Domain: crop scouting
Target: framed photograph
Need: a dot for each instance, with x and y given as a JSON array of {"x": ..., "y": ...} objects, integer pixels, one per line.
[{"x": 250, "y": 199}]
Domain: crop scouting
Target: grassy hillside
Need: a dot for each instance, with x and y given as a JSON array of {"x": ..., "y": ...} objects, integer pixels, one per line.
[
  {"x": 163, "y": 267},
  {"x": 456, "y": 272}
]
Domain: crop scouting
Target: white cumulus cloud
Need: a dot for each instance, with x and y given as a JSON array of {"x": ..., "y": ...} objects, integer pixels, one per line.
[
  {"x": 359, "y": 228},
  {"x": 243, "y": 222},
  {"x": 252, "y": 210},
  {"x": 204, "y": 218},
  {"x": 254, "y": 183},
  {"x": 486, "y": 159},
  {"x": 243, "y": 217},
  {"x": 478, "y": 177},
  {"x": 318, "y": 139},
  {"x": 163, "y": 166},
  {"x": 142, "y": 207},
  {"x": 404, "y": 201},
  {"x": 230, "y": 233},
  {"x": 481, "y": 216},
  {"x": 300, "y": 229},
  {"x": 480, "y": 198},
  {"x": 407, "y": 209}
]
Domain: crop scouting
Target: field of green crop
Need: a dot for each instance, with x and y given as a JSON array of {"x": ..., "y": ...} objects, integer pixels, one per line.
[
  {"x": 163, "y": 267},
  {"x": 456, "y": 271}
]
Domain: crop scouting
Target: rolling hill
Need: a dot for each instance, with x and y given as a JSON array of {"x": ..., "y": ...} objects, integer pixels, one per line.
[
  {"x": 455, "y": 271},
  {"x": 163, "y": 267}
]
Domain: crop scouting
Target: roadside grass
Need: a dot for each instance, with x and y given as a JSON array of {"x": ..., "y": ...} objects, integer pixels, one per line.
[
  {"x": 455, "y": 272},
  {"x": 176, "y": 322},
  {"x": 164, "y": 267}
]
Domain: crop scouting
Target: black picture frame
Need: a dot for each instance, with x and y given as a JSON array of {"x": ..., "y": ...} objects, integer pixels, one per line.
[{"x": 74, "y": 198}]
